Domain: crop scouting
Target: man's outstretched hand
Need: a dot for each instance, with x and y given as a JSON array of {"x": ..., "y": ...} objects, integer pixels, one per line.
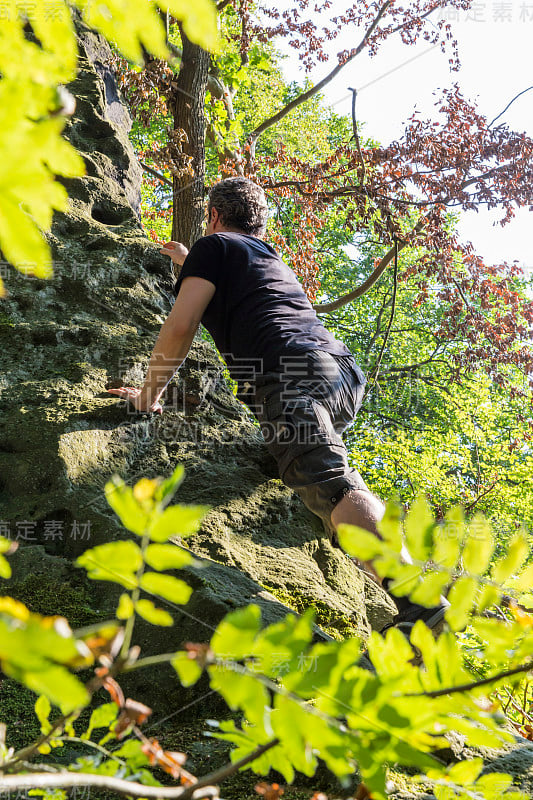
[
  {"x": 177, "y": 252},
  {"x": 137, "y": 399}
]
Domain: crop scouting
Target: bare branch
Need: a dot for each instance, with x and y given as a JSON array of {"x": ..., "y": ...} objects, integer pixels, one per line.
[
  {"x": 471, "y": 505},
  {"x": 356, "y": 135},
  {"x": 156, "y": 174},
  {"x": 324, "y": 308},
  {"x": 375, "y": 371},
  {"x": 467, "y": 687},
  {"x": 302, "y": 98},
  {"x": 46, "y": 780},
  {"x": 510, "y": 104},
  {"x": 229, "y": 769}
]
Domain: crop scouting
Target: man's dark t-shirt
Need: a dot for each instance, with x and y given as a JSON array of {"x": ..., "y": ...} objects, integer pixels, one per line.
[{"x": 259, "y": 312}]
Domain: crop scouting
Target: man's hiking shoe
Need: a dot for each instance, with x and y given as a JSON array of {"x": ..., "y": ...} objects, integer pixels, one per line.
[{"x": 408, "y": 614}]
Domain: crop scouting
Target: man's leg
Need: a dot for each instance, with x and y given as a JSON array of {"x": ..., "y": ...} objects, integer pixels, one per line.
[
  {"x": 364, "y": 509},
  {"x": 361, "y": 508},
  {"x": 313, "y": 460}
]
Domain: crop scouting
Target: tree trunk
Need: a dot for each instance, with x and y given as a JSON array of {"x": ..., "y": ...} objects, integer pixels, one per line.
[{"x": 189, "y": 116}]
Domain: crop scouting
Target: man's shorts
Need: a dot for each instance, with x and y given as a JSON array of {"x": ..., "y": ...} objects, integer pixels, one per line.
[{"x": 303, "y": 407}]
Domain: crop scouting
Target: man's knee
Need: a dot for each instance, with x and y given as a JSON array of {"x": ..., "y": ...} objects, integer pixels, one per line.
[{"x": 359, "y": 506}]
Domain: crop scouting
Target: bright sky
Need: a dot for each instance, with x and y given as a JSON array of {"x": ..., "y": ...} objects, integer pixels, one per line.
[{"x": 495, "y": 45}]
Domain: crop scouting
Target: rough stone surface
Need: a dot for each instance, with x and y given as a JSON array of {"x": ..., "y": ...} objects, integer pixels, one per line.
[{"x": 65, "y": 341}]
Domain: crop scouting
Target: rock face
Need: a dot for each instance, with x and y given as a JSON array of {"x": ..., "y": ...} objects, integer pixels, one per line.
[{"x": 62, "y": 436}]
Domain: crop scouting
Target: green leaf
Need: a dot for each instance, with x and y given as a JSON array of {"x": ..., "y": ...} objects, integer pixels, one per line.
[
  {"x": 21, "y": 240},
  {"x": 446, "y": 547},
  {"x": 166, "y": 586},
  {"x": 5, "y": 544},
  {"x": 131, "y": 751},
  {"x": 60, "y": 156},
  {"x": 114, "y": 561},
  {"x": 488, "y": 596},
  {"x": 390, "y": 716},
  {"x": 430, "y": 588},
  {"x": 101, "y": 717},
  {"x": 390, "y": 526},
  {"x": 406, "y": 579},
  {"x": 157, "y": 616},
  {"x": 56, "y": 33},
  {"x": 461, "y": 597},
  {"x": 448, "y": 538},
  {"x": 57, "y": 683},
  {"x": 235, "y": 635},
  {"x": 524, "y": 579},
  {"x": 419, "y": 529},
  {"x": 125, "y": 607},
  {"x": 360, "y": 543},
  {"x": 495, "y": 785},
  {"x": 167, "y": 556},
  {"x": 283, "y": 646},
  {"x": 131, "y": 513},
  {"x": 167, "y": 488},
  {"x": 177, "y": 521},
  {"x": 187, "y": 668},
  {"x": 5, "y": 568},
  {"x": 140, "y": 24},
  {"x": 478, "y": 546},
  {"x": 242, "y": 692},
  {"x": 517, "y": 553},
  {"x": 199, "y": 20},
  {"x": 291, "y": 724},
  {"x": 466, "y": 772},
  {"x": 43, "y": 709},
  {"x": 389, "y": 655}
]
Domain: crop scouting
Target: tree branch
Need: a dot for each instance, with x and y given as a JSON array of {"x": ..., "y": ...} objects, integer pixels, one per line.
[
  {"x": 356, "y": 134},
  {"x": 471, "y": 505},
  {"x": 156, "y": 174},
  {"x": 45, "y": 780},
  {"x": 229, "y": 769},
  {"x": 302, "y": 98},
  {"x": 510, "y": 104},
  {"x": 386, "y": 303},
  {"x": 325, "y": 308},
  {"x": 466, "y": 687},
  {"x": 375, "y": 371}
]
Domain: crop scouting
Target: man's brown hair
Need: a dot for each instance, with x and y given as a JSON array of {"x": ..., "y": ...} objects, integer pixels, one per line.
[{"x": 241, "y": 204}]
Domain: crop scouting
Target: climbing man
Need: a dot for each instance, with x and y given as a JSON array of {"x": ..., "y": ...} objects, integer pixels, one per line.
[{"x": 303, "y": 385}]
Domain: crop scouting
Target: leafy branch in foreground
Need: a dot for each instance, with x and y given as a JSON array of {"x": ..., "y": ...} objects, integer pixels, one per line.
[
  {"x": 34, "y": 105},
  {"x": 450, "y": 554},
  {"x": 299, "y": 702}
]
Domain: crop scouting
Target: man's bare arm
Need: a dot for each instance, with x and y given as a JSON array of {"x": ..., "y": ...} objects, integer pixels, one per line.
[{"x": 172, "y": 345}]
